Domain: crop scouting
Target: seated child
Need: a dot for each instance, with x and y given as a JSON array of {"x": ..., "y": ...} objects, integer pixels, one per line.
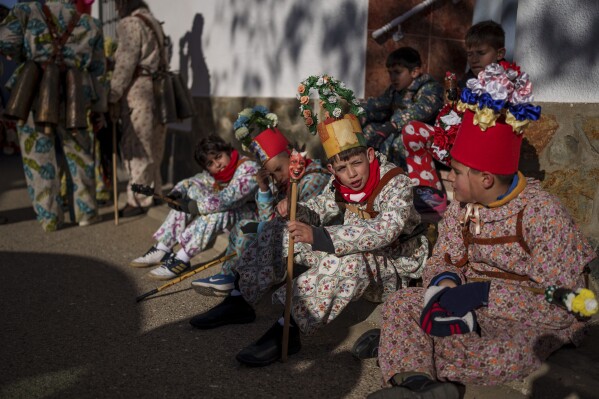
[
  {"x": 270, "y": 148},
  {"x": 484, "y": 318},
  {"x": 412, "y": 95},
  {"x": 211, "y": 201},
  {"x": 378, "y": 246},
  {"x": 423, "y": 143}
]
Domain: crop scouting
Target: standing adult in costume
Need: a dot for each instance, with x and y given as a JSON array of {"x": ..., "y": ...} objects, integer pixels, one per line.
[
  {"x": 377, "y": 247},
  {"x": 73, "y": 52},
  {"x": 482, "y": 317},
  {"x": 139, "y": 55}
]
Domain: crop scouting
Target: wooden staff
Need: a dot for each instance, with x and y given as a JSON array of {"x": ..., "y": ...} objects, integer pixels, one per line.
[
  {"x": 296, "y": 171},
  {"x": 115, "y": 190},
  {"x": 186, "y": 275}
]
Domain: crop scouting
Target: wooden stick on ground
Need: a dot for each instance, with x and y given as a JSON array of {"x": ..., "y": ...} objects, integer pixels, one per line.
[
  {"x": 115, "y": 190},
  {"x": 184, "y": 276}
]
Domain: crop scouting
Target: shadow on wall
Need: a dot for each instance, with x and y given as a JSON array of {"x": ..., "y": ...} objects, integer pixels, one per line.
[
  {"x": 183, "y": 137},
  {"x": 576, "y": 51}
]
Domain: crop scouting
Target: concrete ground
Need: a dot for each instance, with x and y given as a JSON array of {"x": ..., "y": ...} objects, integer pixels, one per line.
[{"x": 70, "y": 326}]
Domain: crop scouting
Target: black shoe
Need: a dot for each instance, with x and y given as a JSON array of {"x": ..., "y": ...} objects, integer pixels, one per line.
[
  {"x": 268, "y": 348},
  {"x": 130, "y": 211},
  {"x": 233, "y": 310},
  {"x": 367, "y": 346},
  {"x": 420, "y": 388}
]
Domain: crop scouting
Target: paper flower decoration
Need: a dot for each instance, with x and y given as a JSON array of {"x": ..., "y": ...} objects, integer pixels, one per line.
[
  {"x": 500, "y": 90},
  {"x": 253, "y": 120},
  {"x": 330, "y": 91}
]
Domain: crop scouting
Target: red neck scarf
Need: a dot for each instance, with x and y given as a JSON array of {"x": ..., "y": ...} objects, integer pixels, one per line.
[
  {"x": 360, "y": 196},
  {"x": 225, "y": 175}
]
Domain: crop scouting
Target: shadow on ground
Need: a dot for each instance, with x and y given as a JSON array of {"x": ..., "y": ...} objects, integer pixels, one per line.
[{"x": 71, "y": 329}]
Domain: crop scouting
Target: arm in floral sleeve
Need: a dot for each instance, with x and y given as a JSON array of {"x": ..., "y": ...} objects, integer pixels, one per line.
[
  {"x": 394, "y": 204},
  {"x": 449, "y": 242},
  {"x": 559, "y": 253},
  {"x": 312, "y": 185},
  {"x": 324, "y": 206},
  {"x": 378, "y": 109},
  {"x": 127, "y": 56},
  {"x": 427, "y": 102},
  {"x": 11, "y": 32},
  {"x": 266, "y": 201},
  {"x": 240, "y": 189}
]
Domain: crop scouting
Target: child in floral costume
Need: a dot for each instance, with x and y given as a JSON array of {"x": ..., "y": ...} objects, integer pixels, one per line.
[
  {"x": 271, "y": 149},
  {"x": 482, "y": 318},
  {"x": 378, "y": 245},
  {"x": 210, "y": 202}
]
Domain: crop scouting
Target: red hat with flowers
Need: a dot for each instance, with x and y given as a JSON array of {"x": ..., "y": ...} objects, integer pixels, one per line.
[
  {"x": 497, "y": 108},
  {"x": 268, "y": 142}
]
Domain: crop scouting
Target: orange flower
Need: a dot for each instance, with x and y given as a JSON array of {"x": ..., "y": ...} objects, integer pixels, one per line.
[
  {"x": 304, "y": 99},
  {"x": 307, "y": 113},
  {"x": 309, "y": 121},
  {"x": 301, "y": 89}
]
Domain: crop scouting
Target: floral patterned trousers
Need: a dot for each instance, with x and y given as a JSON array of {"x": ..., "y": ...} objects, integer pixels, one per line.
[
  {"x": 322, "y": 292},
  {"x": 38, "y": 151},
  {"x": 505, "y": 350}
]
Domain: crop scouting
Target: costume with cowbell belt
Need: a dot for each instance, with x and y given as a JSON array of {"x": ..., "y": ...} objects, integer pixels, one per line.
[
  {"x": 496, "y": 325},
  {"x": 79, "y": 52}
]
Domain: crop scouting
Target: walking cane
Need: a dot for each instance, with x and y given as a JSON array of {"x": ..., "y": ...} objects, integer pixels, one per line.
[
  {"x": 115, "y": 191},
  {"x": 297, "y": 166},
  {"x": 186, "y": 275}
]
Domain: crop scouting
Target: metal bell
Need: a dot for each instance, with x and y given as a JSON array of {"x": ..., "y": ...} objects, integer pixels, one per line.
[
  {"x": 47, "y": 110},
  {"x": 23, "y": 93},
  {"x": 76, "y": 112}
]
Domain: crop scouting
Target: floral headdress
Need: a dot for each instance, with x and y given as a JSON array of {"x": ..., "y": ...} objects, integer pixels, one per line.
[
  {"x": 330, "y": 91},
  {"x": 338, "y": 132},
  {"x": 256, "y": 130},
  {"x": 500, "y": 89},
  {"x": 253, "y": 120}
]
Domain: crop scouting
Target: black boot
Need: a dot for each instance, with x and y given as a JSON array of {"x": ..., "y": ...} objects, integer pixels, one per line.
[
  {"x": 418, "y": 387},
  {"x": 268, "y": 348},
  {"x": 233, "y": 310},
  {"x": 367, "y": 346}
]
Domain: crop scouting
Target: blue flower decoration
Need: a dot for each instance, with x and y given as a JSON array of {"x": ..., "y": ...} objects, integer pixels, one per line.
[
  {"x": 47, "y": 171},
  {"x": 43, "y": 145}
]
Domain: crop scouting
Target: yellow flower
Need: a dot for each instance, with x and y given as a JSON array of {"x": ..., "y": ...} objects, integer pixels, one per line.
[
  {"x": 517, "y": 125},
  {"x": 584, "y": 303},
  {"x": 485, "y": 118},
  {"x": 464, "y": 106}
]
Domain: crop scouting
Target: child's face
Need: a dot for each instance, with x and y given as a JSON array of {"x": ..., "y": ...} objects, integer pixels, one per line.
[
  {"x": 464, "y": 183},
  {"x": 481, "y": 55},
  {"x": 278, "y": 167},
  {"x": 217, "y": 162},
  {"x": 354, "y": 172},
  {"x": 401, "y": 77}
]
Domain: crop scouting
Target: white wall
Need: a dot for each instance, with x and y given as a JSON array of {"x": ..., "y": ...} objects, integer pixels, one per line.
[
  {"x": 557, "y": 43},
  {"x": 264, "y": 48}
]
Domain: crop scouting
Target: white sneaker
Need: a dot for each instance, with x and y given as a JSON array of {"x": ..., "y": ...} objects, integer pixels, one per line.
[
  {"x": 153, "y": 257},
  {"x": 171, "y": 268}
]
